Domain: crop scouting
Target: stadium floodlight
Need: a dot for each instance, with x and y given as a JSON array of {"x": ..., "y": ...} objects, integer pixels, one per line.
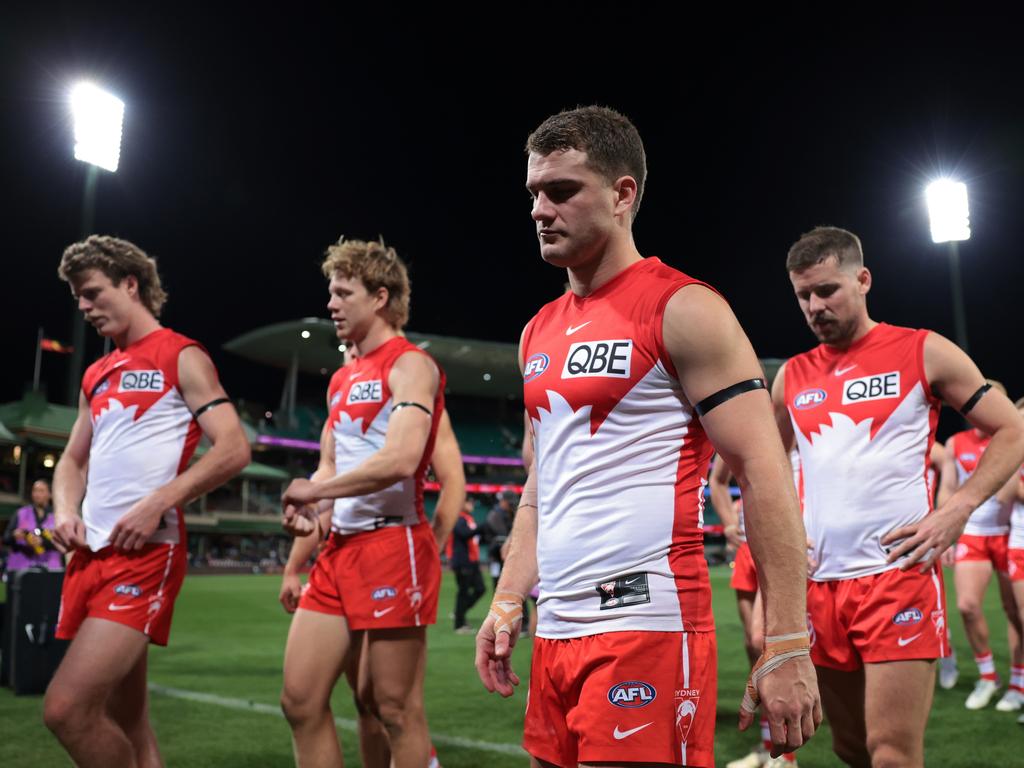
[
  {"x": 947, "y": 211},
  {"x": 98, "y": 118}
]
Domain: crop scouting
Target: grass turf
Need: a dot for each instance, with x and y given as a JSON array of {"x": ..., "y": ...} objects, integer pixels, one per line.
[{"x": 228, "y": 640}]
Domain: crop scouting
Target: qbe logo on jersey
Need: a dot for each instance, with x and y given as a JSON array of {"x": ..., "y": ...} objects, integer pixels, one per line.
[
  {"x": 610, "y": 359},
  {"x": 141, "y": 381},
  {"x": 365, "y": 392},
  {"x": 880, "y": 386}
]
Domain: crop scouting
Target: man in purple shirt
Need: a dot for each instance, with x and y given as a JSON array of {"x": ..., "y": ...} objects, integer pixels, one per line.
[{"x": 28, "y": 533}]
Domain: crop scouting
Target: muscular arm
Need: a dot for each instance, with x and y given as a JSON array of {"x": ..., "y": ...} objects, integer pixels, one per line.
[
  {"x": 447, "y": 463},
  {"x": 947, "y": 476},
  {"x": 711, "y": 352},
  {"x": 413, "y": 378},
  {"x": 228, "y": 454},
  {"x": 721, "y": 499},
  {"x": 69, "y": 482},
  {"x": 955, "y": 377}
]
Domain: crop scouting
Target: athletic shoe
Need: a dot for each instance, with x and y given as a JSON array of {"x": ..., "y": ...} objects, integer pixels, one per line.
[
  {"x": 982, "y": 694},
  {"x": 948, "y": 672},
  {"x": 465, "y": 629},
  {"x": 756, "y": 759},
  {"x": 1011, "y": 701},
  {"x": 779, "y": 762}
]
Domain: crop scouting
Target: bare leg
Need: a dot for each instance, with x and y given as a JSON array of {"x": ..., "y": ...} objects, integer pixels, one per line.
[
  {"x": 313, "y": 661},
  {"x": 100, "y": 658},
  {"x": 971, "y": 579},
  {"x": 373, "y": 739},
  {"x": 842, "y": 695},
  {"x": 1014, "y": 634},
  {"x": 397, "y": 664},
  {"x": 898, "y": 698},
  {"x": 128, "y": 706}
]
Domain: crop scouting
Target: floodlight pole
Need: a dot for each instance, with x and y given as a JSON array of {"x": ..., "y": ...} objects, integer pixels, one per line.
[
  {"x": 959, "y": 314},
  {"x": 92, "y": 175}
]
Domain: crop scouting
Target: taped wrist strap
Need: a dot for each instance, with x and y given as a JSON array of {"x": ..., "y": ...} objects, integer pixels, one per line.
[
  {"x": 778, "y": 649},
  {"x": 507, "y": 610}
]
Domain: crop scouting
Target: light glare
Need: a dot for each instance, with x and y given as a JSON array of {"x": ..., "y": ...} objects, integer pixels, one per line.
[
  {"x": 947, "y": 211},
  {"x": 98, "y": 118}
]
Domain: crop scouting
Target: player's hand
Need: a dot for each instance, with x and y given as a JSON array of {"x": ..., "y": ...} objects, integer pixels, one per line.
[
  {"x": 733, "y": 540},
  {"x": 138, "y": 523},
  {"x": 291, "y": 591},
  {"x": 494, "y": 653},
  {"x": 791, "y": 704},
  {"x": 69, "y": 533},
  {"x": 300, "y": 520},
  {"x": 922, "y": 542},
  {"x": 299, "y": 491},
  {"x": 948, "y": 558}
]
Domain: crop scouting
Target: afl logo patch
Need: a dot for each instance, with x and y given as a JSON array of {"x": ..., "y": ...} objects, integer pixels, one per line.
[
  {"x": 809, "y": 398},
  {"x": 907, "y": 616},
  {"x": 632, "y": 694},
  {"x": 336, "y": 399},
  {"x": 535, "y": 366}
]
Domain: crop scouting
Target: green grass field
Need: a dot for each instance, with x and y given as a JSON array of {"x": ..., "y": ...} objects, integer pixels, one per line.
[{"x": 228, "y": 640}]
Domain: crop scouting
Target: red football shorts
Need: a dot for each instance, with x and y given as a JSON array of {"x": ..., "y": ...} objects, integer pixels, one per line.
[
  {"x": 623, "y": 697},
  {"x": 990, "y": 549},
  {"x": 1015, "y": 564},
  {"x": 380, "y": 579},
  {"x": 136, "y": 589},
  {"x": 890, "y": 616},
  {"x": 744, "y": 574}
]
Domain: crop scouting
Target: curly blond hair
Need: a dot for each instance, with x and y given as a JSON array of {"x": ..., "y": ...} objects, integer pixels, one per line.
[
  {"x": 376, "y": 266},
  {"x": 117, "y": 259}
]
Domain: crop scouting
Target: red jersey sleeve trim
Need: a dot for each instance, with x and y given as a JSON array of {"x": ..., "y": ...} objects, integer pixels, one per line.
[{"x": 926, "y": 385}]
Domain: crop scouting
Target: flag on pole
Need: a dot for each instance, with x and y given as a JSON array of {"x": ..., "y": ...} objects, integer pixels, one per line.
[{"x": 52, "y": 345}]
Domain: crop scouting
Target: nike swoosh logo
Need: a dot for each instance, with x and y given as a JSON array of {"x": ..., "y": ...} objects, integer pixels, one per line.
[
  {"x": 841, "y": 371},
  {"x": 356, "y": 375},
  {"x": 570, "y": 330},
  {"x": 908, "y": 640},
  {"x": 115, "y": 607},
  {"x": 625, "y": 734},
  {"x": 378, "y": 614},
  {"x": 119, "y": 363},
  {"x": 627, "y": 583}
]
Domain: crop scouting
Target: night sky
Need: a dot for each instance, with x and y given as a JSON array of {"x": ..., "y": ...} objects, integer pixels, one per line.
[{"x": 254, "y": 138}]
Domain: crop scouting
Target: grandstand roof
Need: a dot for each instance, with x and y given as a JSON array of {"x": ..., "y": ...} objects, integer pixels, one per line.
[
  {"x": 474, "y": 367},
  {"x": 6, "y": 436},
  {"x": 41, "y": 422}
]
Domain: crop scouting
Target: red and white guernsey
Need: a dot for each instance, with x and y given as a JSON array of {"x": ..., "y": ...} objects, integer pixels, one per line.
[
  {"x": 621, "y": 463},
  {"x": 143, "y": 433},
  {"x": 864, "y": 420},
  {"x": 991, "y": 518},
  {"x": 360, "y": 407},
  {"x": 1017, "y": 520}
]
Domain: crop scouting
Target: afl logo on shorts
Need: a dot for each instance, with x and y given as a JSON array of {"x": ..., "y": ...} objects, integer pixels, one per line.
[
  {"x": 632, "y": 694},
  {"x": 809, "y": 398},
  {"x": 535, "y": 366},
  {"x": 908, "y": 616},
  {"x": 384, "y": 593}
]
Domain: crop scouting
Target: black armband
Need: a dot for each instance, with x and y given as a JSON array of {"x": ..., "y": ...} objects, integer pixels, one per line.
[
  {"x": 408, "y": 404},
  {"x": 212, "y": 404},
  {"x": 966, "y": 407},
  {"x": 715, "y": 400}
]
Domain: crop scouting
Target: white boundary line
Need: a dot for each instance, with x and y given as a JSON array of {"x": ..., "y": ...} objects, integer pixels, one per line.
[{"x": 247, "y": 705}]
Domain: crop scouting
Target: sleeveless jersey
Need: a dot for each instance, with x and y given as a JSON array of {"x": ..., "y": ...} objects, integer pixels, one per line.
[
  {"x": 143, "y": 433},
  {"x": 991, "y": 518},
  {"x": 864, "y": 420},
  {"x": 360, "y": 406},
  {"x": 621, "y": 463}
]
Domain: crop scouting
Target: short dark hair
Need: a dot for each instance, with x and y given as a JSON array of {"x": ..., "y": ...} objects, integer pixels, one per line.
[
  {"x": 612, "y": 143},
  {"x": 822, "y": 243},
  {"x": 117, "y": 259}
]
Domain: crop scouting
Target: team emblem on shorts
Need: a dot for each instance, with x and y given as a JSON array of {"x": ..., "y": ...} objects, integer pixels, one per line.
[
  {"x": 415, "y": 595},
  {"x": 384, "y": 593},
  {"x": 907, "y": 617},
  {"x": 632, "y": 694},
  {"x": 809, "y": 398},
  {"x": 127, "y": 589},
  {"x": 535, "y": 366},
  {"x": 687, "y": 700}
]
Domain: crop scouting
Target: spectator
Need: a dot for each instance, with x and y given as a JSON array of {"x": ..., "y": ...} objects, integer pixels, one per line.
[
  {"x": 464, "y": 558},
  {"x": 28, "y": 533}
]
